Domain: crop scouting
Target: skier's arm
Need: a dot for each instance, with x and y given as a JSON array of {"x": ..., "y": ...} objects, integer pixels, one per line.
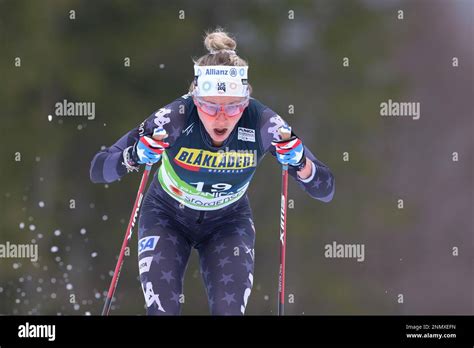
[
  {"x": 108, "y": 165},
  {"x": 114, "y": 162},
  {"x": 320, "y": 182}
]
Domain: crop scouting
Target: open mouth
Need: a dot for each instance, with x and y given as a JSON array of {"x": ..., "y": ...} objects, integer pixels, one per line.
[{"x": 220, "y": 131}]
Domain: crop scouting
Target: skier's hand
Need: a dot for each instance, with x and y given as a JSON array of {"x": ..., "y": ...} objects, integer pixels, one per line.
[
  {"x": 148, "y": 150},
  {"x": 290, "y": 150}
]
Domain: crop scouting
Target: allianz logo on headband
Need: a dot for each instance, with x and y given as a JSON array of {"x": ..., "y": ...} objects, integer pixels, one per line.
[{"x": 222, "y": 80}]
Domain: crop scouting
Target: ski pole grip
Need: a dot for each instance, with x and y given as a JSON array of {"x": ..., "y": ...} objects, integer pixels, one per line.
[
  {"x": 159, "y": 134},
  {"x": 285, "y": 133}
]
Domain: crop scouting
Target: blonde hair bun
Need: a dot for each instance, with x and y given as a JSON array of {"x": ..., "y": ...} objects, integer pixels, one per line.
[{"x": 218, "y": 40}]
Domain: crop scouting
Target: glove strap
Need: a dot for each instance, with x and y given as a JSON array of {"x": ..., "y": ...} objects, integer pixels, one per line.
[
  {"x": 128, "y": 161},
  {"x": 300, "y": 165}
]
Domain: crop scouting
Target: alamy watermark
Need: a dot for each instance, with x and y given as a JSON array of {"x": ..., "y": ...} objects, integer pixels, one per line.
[
  {"x": 236, "y": 157},
  {"x": 67, "y": 108},
  {"x": 393, "y": 108},
  {"x": 37, "y": 331},
  {"x": 347, "y": 251},
  {"x": 19, "y": 251}
]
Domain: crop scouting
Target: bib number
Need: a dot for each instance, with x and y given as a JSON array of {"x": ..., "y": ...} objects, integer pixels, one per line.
[{"x": 214, "y": 187}]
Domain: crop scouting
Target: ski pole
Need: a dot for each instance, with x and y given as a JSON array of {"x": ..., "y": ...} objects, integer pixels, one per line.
[
  {"x": 285, "y": 135},
  {"x": 128, "y": 234}
]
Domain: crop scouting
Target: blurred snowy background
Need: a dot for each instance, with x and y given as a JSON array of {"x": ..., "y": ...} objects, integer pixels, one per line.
[{"x": 296, "y": 51}]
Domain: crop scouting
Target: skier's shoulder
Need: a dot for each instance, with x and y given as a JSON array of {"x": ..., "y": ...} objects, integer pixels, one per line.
[
  {"x": 259, "y": 111},
  {"x": 256, "y": 107},
  {"x": 179, "y": 105},
  {"x": 174, "y": 110},
  {"x": 267, "y": 121},
  {"x": 171, "y": 117}
]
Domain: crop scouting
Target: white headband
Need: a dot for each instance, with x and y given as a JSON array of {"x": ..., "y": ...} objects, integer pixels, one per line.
[{"x": 221, "y": 80}]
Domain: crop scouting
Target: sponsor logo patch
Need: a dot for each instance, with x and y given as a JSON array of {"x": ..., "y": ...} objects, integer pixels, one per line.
[
  {"x": 145, "y": 264},
  {"x": 201, "y": 160},
  {"x": 147, "y": 243},
  {"x": 246, "y": 134}
]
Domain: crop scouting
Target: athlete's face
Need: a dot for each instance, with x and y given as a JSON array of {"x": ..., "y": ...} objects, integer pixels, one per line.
[{"x": 220, "y": 125}]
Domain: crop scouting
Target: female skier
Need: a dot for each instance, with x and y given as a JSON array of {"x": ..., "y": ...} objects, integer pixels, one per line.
[{"x": 217, "y": 135}]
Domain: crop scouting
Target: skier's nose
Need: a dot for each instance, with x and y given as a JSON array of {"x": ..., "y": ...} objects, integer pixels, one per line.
[{"x": 221, "y": 116}]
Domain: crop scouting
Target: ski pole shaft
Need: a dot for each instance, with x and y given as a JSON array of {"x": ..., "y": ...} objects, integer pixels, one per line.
[
  {"x": 128, "y": 235},
  {"x": 281, "y": 282},
  {"x": 283, "y": 213}
]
